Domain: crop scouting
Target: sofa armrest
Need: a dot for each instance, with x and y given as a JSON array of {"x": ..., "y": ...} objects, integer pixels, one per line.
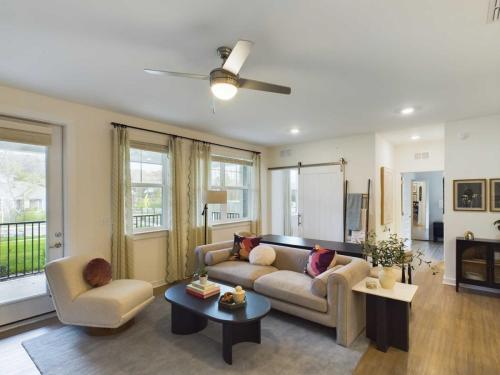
[
  {"x": 200, "y": 251},
  {"x": 350, "y": 306}
]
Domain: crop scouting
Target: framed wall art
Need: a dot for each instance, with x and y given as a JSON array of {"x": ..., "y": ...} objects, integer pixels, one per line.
[{"x": 469, "y": 195}]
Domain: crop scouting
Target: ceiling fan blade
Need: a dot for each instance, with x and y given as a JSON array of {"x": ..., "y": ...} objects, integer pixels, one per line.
[
  {"x": 237, "y": 56},
  {"x": 263, "y": 86},
  {"x": 177, "y": 74}
]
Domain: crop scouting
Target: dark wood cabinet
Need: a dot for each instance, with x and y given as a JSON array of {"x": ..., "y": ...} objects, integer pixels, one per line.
[{"x": 478, "y": 263}]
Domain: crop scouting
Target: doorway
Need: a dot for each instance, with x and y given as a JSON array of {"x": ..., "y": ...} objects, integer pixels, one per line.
[
  {"x": 422, "y": 206},
  {"x": 31, "y": 216},
  {"x": 308, "y": 203}
]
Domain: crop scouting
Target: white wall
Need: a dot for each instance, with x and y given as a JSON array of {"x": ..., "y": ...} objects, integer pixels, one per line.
[
  {"x": 405, "y": 156},
  {"x": 357, "y": 150},
  {"x": 87, "y": 158},
  {"x": 477, "y": 156}
]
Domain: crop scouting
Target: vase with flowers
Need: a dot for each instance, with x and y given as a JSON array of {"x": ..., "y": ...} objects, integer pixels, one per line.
[{"x": 389, "y": 253}]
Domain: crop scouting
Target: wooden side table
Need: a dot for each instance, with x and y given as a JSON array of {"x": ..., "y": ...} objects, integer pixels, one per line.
[{"x": 388, "y": 314}]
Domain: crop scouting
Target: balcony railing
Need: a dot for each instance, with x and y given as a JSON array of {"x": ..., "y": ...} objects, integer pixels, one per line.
[
  {"x": 22, "y": 248},
  {"x": 217, "y": 216},
  {"x": 147, "y": 221}
]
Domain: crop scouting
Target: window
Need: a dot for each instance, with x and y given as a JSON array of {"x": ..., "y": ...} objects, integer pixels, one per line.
[
  {"x": 234, "y": 176},
  {"x": 148, "y": 175}
]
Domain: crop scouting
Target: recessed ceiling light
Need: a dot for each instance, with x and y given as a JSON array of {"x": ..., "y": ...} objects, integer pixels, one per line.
[
  {"x": 407, "y": 111},
  {"x": 294, "y": 131},
  {"x": 415, "y": 137}
]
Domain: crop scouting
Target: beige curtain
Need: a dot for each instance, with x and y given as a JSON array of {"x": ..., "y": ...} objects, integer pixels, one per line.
[
  {"x": 256, "y": 223},
  {"x": 188, "y": 178},
  {"x": 198, "y": 181},
  {"x": 121, "y": 204}
]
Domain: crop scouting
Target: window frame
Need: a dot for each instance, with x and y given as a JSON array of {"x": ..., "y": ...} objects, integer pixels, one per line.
[
  {"x": 248, "y": 187},
  {"x": 163, "y": 150}
]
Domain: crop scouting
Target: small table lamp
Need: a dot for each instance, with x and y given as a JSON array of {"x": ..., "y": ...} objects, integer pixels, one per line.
[{"x": 213, "y": 197}]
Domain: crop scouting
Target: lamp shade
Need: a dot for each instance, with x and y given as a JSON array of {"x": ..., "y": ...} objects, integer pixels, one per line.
[{"x": 216, "y": 197}]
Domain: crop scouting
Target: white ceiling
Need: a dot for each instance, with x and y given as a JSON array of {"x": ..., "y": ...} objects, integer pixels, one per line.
[
  {"x": 429, "y": 133},
  {"x": 351, "y": 64}
]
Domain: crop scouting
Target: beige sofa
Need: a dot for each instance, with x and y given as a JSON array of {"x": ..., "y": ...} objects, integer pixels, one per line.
[
  {"x": 108, "y": 306},
  {"x": 327, "y": 299}
]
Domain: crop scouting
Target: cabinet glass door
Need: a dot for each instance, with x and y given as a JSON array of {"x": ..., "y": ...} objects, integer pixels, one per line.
[
  {"x": 474, "y": 263},
  {"x": 496, "y": 265}
]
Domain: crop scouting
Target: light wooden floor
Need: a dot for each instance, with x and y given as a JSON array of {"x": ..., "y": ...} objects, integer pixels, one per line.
[{"x": 450, "y": 333}]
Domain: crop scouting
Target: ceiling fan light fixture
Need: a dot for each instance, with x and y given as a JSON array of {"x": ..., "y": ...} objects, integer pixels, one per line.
[
  {"x": 223, "y": 90},
  {"x": 224, "y": 85}
]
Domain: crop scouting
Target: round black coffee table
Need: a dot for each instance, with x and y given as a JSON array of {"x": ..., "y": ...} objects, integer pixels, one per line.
[{"x": 191, "y": 314}]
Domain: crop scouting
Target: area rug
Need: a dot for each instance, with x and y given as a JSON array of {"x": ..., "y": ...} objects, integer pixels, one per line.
[{"x": 289, "y": 346}]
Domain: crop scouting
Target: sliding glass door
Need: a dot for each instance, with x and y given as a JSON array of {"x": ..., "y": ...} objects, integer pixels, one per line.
[{"x": 31, "y": 216}]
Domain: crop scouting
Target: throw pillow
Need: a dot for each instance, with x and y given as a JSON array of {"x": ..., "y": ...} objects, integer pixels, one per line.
[
  {"x": 320, "y": 260},
  {"x": 320, "y": 282},
  {"x": 243, "y": 246},
  {"x": 262, "y": 255},
  {"x": 97, "y": 272}
]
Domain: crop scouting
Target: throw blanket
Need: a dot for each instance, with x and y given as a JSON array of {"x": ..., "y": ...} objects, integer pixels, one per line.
[{"x": 353, "y": 211}]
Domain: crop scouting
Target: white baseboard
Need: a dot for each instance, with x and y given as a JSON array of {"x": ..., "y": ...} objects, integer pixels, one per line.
[
  {"x": 449, "y": 281},
  {"x": 24, "y": 322}
]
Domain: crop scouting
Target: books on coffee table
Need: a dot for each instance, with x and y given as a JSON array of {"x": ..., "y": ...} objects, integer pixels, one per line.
[{"x": 203, "y": 291}]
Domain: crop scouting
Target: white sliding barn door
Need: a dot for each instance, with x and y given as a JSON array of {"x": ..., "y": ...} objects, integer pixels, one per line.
[{"x": 321, "y": 203}]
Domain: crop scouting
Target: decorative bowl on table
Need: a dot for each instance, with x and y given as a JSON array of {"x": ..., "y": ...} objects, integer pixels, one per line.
[{"x": 226, "y": 301}]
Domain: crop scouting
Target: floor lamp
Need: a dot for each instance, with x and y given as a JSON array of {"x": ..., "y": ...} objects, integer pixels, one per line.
[{"x": 213, "y": 197}]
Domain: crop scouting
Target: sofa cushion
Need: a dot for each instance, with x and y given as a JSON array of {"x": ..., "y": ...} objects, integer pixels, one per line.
[
  {"x": 320, "y": 260},
  {"x": 319, "y": 283},
  {"x": 238, "y": 273},
  {"x": 263, "y": 255},
  {"x": 243, "y": 246},
  {"x": 216, "y": 256},
  {"x": 292, "y": 287},
  {"x": 107, "y": 304}
]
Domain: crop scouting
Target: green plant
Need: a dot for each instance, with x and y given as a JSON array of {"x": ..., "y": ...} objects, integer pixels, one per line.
[
  {"x": 202, "y": 271},
  {"x": 391, "y": 252}
]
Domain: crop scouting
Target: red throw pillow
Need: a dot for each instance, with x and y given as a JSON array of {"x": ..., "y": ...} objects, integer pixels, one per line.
[
  {"x": 243, "y": 245},
  {"x": 320, "y": 260},
  {"x": 97, "y": 272}
]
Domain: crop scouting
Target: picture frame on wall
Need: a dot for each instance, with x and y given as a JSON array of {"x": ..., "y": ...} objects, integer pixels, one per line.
[
  {"x": 387, "y": 195},
  {"x": 495, "y": 195},
  {"x": 470, "y": 195}
]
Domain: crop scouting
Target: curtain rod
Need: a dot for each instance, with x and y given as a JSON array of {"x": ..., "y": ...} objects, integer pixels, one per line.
[
  {"x": 116, "y": 124},
  {"x": 341, "y": 162}
]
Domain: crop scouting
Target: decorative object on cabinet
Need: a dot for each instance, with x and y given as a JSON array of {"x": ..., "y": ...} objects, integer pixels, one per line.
[
  {"x": 478, "y": 263},
  {"x": 469, "y": 236},
  {"x": 497, "y": 223},
  {"x": 495, "y": 194},
  {"x": 469, "y": 195}
]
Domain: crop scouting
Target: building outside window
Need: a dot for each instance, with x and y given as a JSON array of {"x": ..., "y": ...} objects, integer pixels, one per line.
[
  {"x": 234, "y": 176},
  {"x": 149, "y": 193}
]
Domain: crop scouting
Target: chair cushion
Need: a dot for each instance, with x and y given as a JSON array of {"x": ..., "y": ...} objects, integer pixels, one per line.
[
  {"x": 105, "y": 305},
  {"x": 238, "y": 272},
  {"x": 291, "y": 287},
  {"x": 97, "y": 272}
]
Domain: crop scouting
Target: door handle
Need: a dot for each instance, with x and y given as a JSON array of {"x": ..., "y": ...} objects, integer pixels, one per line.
[
  {"x": 57, "y": 245},
  {"x": 299, "y": 219}
]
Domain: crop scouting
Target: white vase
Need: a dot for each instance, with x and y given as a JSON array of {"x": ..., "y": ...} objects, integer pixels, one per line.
[
  {"x": 387, "y": 277},
  {"x": 203, "y": 280}
]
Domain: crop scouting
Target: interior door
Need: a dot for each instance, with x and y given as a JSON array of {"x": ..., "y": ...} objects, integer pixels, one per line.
[
  {"x": 321, "y": 203},
  {"x": 31, "y": 217}
]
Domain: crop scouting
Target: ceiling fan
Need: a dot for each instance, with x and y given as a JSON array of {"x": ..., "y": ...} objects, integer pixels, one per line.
[{"x": 225, "y": 81}]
